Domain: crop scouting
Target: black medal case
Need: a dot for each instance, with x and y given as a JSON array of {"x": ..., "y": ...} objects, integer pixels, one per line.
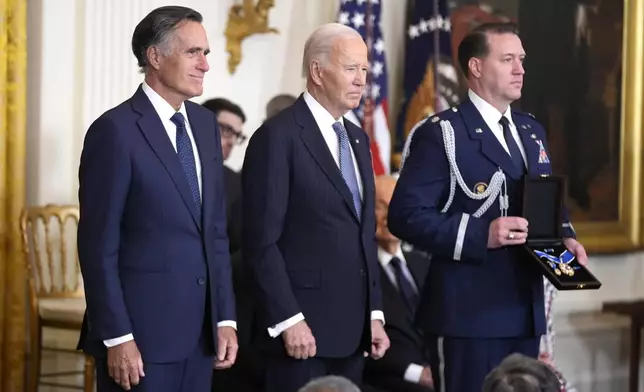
[{"x": 543, "y": 198}]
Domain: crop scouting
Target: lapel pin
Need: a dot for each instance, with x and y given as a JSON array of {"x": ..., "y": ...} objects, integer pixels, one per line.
[
  {"x": 478, "y": 130},
  {"x": 533, "y": 136}
]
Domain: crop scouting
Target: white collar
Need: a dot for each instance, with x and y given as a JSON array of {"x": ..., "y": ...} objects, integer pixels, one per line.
[
  {"x": 322, "y": 117},
  {"x": 162, "y": 107},
  {"x": 489, "y": 113},
  {"x": 385, "y": 257}
]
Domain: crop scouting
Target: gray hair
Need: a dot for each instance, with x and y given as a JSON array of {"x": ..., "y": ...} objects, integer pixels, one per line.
[
  {"x": 518, "y": 373},
  {"x": 330, "y": 384},
  {"x": 157, "y": 28},
  {"x": 319, "y": 44}
]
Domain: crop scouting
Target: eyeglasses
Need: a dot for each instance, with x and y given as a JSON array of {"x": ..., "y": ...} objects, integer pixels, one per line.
[{"x": 229, "y": 132}]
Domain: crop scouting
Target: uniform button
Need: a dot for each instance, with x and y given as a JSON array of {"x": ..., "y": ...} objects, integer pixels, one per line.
[
  {"x": 201, "y": 281},
  {"x": 363, "y": 272}
]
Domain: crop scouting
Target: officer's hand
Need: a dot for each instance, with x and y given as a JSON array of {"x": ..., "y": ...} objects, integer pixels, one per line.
[{"x": 508, "y": 230}]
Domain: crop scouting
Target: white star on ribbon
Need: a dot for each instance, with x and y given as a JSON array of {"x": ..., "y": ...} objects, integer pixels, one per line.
[
  {"x": 377, "y": 69},
  {"x": 375, "y": 91},
  {"x": 422, "y": 25},
  {"x": 343, "y": 18},
  {"x": 379, "y": 46},
  {"x": 358, "y": 20},
  {"x": 413, "y": 31}
]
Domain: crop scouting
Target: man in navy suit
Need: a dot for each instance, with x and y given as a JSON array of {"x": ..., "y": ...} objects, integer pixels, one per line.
[
  {"x": 483, "y": 299},
  {"x": 152, "y": 234},
  {"x": 405, "y": 366},
  {"x": 308, "y": 227}
]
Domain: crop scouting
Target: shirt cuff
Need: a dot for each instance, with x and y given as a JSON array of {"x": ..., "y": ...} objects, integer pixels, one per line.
[
  {"x": 119, "y": 340},
  {"x": 378, "y": 315},
  {"x": 413, "y": 373},
  {"x": 277, "y": 330},
  {"x": 227, "y": 323}
]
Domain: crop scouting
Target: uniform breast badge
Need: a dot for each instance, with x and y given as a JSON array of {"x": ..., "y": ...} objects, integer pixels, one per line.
[
  {"x": 480, "y": 187},
  {"x": 543, "y": 155},
  {"x": 559, "y": 264}
]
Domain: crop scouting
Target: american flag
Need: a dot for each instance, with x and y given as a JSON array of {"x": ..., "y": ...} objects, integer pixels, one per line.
[{"x": 364, "y": 16}]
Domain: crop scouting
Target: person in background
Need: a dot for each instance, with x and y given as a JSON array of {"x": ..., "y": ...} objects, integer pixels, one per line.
[
  {"x": 405, "y": 366},
  {"x": 520, "y": 373},
  {"x": 231, "y": 119},
  {"x": 330, "y": 384},
  {"x": 279, "y": 103}
]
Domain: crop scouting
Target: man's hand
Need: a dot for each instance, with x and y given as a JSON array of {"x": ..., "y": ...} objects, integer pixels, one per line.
[
  {"x": 125, "y": 365},
  {"x": 226, "y": 347},
  {"x": 426, "y": 379},
  {"x": 507, "y": 230},
  {"x": 576, "y": 249},
  {"x": 379, "y": 340},
  {"x": 299, "y": 341}
]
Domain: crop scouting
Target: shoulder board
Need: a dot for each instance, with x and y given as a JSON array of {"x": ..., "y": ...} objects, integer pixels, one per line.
[
  {"x": 444, "y": 115},
  {"x": 524, "y": 114}
]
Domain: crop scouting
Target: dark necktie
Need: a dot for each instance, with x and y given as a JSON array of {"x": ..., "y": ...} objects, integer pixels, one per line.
[
  {"x": 347, "y": 168},
  {"x": 187, "y": 158},
  {"x": 404, "y": 285},
  {"x": 515, "y": 153}
]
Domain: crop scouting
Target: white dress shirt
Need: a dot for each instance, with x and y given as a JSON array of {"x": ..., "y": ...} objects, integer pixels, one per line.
[
  {"x": 414, "y": 371},
  {"x": 325, "y": 122},
  {"x": 165, "y": 112},
  {"x": 491, "y": 116}
]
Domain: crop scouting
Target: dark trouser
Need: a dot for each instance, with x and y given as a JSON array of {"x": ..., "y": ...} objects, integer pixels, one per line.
[
  {"x": 462, "y": 364},
  {"x": 194, "y": 374},
  {"x": 285, "y": 374}
]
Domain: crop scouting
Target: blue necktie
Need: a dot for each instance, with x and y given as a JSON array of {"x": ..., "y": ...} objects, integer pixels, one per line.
[
  {"x": 347, "y": 168},
  {"x": 187, "y": 158},
  {"x": 515, "y": 153},
  {"x": 404, "y": 285}
]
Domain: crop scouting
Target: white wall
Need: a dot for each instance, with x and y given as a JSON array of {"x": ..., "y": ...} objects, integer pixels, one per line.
[{"x": 80, "y": 64}]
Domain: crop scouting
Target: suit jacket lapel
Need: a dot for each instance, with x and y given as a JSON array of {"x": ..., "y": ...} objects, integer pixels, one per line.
[
  {"x": 490, "y": 146},
  {"x": 360, "y": 145},
  {"x": 154, "y": 132},
  {"x": 314, "y": 142},
  {"x": 529, "y": 144}
]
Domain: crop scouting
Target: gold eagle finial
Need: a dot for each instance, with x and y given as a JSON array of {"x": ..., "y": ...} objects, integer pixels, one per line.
[{"x": 245, "y": 20}]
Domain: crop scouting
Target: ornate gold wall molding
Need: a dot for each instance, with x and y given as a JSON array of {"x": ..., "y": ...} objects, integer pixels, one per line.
[
  {"x": 245, "y": 20},
  {"x": 13, "y": 88}
]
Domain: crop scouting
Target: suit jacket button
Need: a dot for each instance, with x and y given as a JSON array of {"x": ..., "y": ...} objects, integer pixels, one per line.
[
  {"x": 363, "y": 272},
  {"x": 201, "y": 281}
]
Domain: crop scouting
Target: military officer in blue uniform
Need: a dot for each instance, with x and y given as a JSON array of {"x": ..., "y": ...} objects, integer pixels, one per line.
[{"x": 458, "y": 197}]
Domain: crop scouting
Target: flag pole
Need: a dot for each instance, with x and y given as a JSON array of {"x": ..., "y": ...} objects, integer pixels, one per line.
[
  {"x": 436, "y": 37},
  {"x": 367, "y": 117}
]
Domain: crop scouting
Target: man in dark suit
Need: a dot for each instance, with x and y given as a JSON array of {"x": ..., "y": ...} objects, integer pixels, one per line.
[
  {"x": 309, "y": 224},
  {"x": 152, "y": 234},
  {"x": 482, "y": 298},
  {"x": 247, "y": 374},
  {"x": 230, "y": 119},
  {"x": 405, "y": 366}
]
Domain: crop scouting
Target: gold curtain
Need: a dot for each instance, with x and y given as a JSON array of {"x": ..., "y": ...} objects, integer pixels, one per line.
[{"x": 13, "y": 88}]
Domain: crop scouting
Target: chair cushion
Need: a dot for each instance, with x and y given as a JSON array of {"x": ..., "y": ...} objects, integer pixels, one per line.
[{"x": 62, "y": 309}]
